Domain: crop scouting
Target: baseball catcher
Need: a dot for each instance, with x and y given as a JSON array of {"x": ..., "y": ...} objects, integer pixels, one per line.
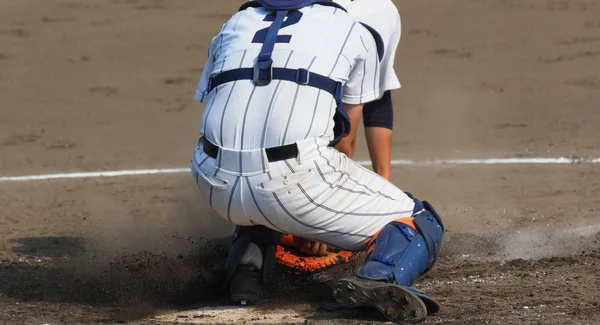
[
  {"x": 304, "y": 256},
  {"x": 281, "y": 81}
]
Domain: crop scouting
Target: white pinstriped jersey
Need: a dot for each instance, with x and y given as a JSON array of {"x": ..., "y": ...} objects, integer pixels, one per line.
[
  {"x": 383, "y": 16},
  {"x": 323, "y": 40}
]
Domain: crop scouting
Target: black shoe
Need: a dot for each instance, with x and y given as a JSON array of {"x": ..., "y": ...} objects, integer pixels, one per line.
[
  {"x": 396, "y": 302},
  {"x": 246, "y": 284}
]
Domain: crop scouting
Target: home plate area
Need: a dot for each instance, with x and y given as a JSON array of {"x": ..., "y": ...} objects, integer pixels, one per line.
[{"x": 232, "y": 315}]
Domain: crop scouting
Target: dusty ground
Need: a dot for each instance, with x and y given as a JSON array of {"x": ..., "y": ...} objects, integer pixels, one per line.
[{"x": 107, "y": 85}]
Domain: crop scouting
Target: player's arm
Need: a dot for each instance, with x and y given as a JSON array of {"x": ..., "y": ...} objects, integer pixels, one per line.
[
  {"x": 348, "y": 144},
  {"x": 378, "y": 121},
  {"x": 378, "y": 115}
]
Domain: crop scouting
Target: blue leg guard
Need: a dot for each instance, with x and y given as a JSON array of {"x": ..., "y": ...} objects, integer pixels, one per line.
[{"x": 402, "y": 253}]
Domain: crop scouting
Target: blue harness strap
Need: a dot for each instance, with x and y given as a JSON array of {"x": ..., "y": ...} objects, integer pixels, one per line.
[
  {"x": 299, "y": 76},
  {"x": 263, "y": 70}
]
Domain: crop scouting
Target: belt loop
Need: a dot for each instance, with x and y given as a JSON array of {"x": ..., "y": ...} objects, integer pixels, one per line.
[{"x": 209, "y": 86}]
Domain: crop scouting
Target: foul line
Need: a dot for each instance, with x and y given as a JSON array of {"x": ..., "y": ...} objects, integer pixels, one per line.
[{"x": 395, "y": 162}]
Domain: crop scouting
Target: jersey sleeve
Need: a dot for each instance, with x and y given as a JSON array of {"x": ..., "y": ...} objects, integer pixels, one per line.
[
  {"x": 383, "y": 16},
  {"x": 363, "y": 82},
  {"x": 202, "y": 89},
  {"x": 389, "y": 80}
]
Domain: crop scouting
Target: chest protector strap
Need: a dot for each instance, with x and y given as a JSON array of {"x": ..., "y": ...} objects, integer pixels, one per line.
[{"x": 263, "y": 71}]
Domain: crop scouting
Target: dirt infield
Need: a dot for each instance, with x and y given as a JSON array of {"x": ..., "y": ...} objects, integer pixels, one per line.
[{"x": 108, "y": 85}]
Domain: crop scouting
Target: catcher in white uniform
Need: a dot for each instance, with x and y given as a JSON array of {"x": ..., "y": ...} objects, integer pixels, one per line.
[
  {"x": 281, "y": 80},
  {"x": 378, "y": 115}
]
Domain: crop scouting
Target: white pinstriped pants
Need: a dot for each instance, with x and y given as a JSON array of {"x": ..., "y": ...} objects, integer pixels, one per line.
[{"x": 321, "y": 195}]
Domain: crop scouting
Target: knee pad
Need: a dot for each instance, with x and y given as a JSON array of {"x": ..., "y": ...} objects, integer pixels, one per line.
[
  {"x": 246, "y": 241},
  {"x": 402, "y": 253}
]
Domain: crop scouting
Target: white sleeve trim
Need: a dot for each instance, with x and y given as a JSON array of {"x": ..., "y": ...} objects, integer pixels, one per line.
[{"x": 362, "y": 99}]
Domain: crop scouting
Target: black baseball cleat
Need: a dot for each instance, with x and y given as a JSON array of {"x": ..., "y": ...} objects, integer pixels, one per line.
[
  {"x": 394, "y": 301},
  {"x": 246, "y": 285}
]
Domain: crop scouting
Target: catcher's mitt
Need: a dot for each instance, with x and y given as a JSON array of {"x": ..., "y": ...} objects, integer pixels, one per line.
[{"x": 295, "y": 261}]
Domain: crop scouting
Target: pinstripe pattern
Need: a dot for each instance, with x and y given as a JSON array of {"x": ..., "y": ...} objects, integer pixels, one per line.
[
  {"x": 311, "y": 226},
  {"x": 226, "y": 106},
  {"x": 259, "y": 209},
  {"x": 268, "y": 115},
  {"x": 362, "y": 84},
  {"x": 331, "y": 113},
  {"x": 216, "y": 89},
  {"x": 376, "y": 75},
  {"x": 244, "y": 125},
  {"x": 350, "y": 177},
  {"x": 332, "y": 106},
  {"x": 211, "y": 105},
  {"x": 264, "y": 133},
  {"x": 246, "y": 117},
  {"x": 342, "y": 49},
  {"x": 203, "y": 161},
  {"x": 349, "y": 213},
  {"x": 337, "y": 186},
  {"x": 363, "y": 43},
  {"x": 287, "y": 126},
  {"x": 289, "y": 166},
  {"x": 312, "y": 120},
  {"x": 237, "y": 180},
  {"x": 279, "y": 109},
  {"x": 221, "y": 130}
]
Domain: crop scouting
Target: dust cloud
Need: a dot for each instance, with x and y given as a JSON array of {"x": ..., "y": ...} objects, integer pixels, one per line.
[
  {"x": 133, "y": 260},
  {"x": 526, "y": 244}
]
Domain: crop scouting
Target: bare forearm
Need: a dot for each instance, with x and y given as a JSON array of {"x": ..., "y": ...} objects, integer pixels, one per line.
[{"x": 379, "y": 141}]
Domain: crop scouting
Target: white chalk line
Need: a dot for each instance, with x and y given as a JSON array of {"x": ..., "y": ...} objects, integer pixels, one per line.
[{"x": 395, "y": 162}]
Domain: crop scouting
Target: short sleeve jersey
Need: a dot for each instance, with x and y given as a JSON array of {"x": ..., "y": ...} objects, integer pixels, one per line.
[
  {"x": 322, "y": 39},
  {"x": 383, "y": 16}
]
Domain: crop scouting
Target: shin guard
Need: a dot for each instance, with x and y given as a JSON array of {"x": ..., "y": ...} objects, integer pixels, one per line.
[{"x": 401, "y": 253}]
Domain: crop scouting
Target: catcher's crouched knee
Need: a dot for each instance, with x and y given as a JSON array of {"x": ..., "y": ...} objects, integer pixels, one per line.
[{"x": 401, "y": 252}]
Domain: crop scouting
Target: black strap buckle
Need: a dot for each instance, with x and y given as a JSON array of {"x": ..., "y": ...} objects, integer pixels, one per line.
[
  {"x": 302, "y": 76},
  {"x": 263, "y": 72}
]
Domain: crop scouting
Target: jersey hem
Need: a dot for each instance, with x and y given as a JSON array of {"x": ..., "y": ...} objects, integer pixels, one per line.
[
  {"x": 199, "y": 96},
  {"x": 362, "y": 99}
]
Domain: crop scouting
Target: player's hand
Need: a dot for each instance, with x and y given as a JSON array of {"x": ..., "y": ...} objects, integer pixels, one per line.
[{"x": 309, "y": 247}]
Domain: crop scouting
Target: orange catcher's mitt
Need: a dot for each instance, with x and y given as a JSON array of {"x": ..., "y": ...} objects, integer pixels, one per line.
[{"x": 292, "y": 259}]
